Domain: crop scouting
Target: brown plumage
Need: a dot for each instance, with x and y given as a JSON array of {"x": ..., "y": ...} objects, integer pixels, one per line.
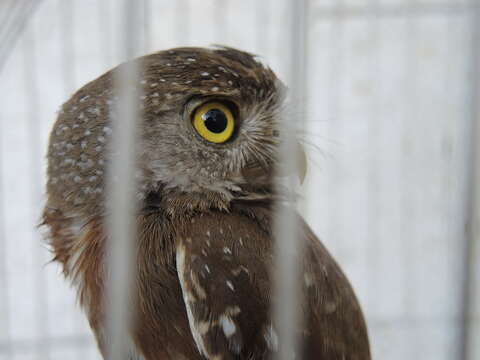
[{"x": 205, "y": 225}]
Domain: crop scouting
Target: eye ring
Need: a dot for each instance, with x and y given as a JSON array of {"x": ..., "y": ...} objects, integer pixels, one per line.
[{"x": 214, "y": 122}]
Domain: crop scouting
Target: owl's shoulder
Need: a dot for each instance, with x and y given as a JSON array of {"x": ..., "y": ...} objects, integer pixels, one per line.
[{"x": 224, "y": 262}]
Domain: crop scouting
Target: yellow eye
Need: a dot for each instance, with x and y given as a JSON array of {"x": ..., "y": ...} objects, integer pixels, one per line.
[{"x": 214, "y": 122}]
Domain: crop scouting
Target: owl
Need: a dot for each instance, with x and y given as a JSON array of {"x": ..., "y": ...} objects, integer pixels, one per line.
[{"x": 208, "y": 147}]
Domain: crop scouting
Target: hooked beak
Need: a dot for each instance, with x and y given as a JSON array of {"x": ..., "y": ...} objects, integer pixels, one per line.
[
  {"x": 263, "y": 174},
  {"x": 300, "y": 166},
  {"x": 301, "y": 162}
]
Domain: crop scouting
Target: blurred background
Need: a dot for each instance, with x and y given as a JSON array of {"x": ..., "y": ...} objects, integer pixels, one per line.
[{"x": 391, "y": 119}]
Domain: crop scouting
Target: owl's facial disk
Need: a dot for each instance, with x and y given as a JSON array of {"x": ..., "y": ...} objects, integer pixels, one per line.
[
  {"x": 219, "y": 133},
  {"x": 209, "y": 125}
]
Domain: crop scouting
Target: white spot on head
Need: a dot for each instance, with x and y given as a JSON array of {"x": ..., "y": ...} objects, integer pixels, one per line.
[
  {"x": 228, "y": 326},
  {"x": 207, "y": 268},
  {"x": 230, "y": 285}
]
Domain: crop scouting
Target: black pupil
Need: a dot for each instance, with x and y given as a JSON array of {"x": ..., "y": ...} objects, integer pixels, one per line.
[{"x": 215, "y": 120}]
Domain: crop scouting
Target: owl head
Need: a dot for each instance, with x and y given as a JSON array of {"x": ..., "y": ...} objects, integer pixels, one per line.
[{"x": 208, "y": 131}]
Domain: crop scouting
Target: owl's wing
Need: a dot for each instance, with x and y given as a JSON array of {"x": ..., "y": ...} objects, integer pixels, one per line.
[{"x": 222, "y": 266}]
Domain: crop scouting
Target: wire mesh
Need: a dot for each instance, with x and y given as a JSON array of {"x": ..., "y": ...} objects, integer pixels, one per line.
[{"x": 389, "y": 104}]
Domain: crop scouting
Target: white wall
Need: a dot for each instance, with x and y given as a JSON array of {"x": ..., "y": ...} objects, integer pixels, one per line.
[{"x": 387, "y": 113}]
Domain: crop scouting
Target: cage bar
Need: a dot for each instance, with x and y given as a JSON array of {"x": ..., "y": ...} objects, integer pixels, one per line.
[
  {"x": 121, "y": 191},
  {"x": 287, "y": 295},
  {"x": 20, "y": 12},
  {"x": 472, "y": 231}
]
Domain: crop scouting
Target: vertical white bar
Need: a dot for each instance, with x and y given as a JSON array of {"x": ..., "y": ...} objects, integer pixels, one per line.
[
  {"x": 335, "y": 114},
  {"x": 4, "y": 280},
  {"x": 35, "y": 155},
  {"x": 12, "y": 30},
  {"x": 11, "y": 26},
  {"x": 182, "y": 22},
  {"x": 373, "y": 171},
  {"x": 289, "y": 246},
  {"x": 262, "y": 23},
  {"x": 121, "y": 191},
  {"x": 470, "y": 347},
  {"x": 67, "y": 42},
  {"x": 408, "y": 206},
  {"x": 105, "y": 21},
  {"x": 220, "y": 24},
  {"x": 147, "y": 26}
]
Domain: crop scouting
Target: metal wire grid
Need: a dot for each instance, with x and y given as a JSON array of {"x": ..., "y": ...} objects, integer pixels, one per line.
[{"x": 336, "y": 16}]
